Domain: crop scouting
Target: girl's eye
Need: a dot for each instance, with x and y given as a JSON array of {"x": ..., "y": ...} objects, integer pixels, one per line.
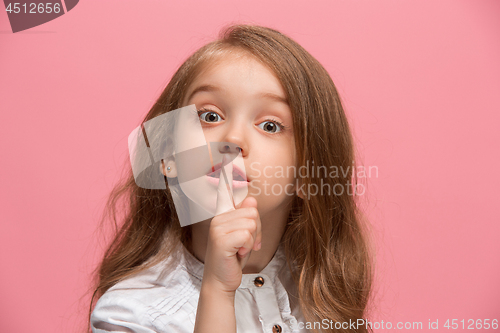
[
  {"x": 209, "y": 116},
  {"x": 271, "y": 126}
]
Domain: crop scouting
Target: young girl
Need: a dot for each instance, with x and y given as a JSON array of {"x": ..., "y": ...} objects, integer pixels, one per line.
[{"x": 292, "y": 256}]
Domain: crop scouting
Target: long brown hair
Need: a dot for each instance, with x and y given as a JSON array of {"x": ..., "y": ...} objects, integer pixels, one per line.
[{"x": 325, "y": 239}]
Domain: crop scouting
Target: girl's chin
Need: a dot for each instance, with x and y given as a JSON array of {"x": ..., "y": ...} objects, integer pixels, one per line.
[{"x": 204, "y": 195}]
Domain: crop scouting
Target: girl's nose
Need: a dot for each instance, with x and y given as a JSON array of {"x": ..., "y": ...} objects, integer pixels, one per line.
[
  {"x": 229, "y": 148},
  {"x": 233, "y": 141}
]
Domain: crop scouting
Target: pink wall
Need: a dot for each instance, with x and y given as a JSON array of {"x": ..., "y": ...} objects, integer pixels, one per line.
[{"x": 420, "y": 81}]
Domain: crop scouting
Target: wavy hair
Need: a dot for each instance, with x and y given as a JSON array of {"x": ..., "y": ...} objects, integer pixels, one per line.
[{"x": 325, "y": 240}]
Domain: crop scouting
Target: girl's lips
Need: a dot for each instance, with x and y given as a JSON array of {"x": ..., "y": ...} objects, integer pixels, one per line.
[
  {"x": 236, "y": 184},
  {"x": 238, "y": 175},
  {"x": 239, "y": 179}
]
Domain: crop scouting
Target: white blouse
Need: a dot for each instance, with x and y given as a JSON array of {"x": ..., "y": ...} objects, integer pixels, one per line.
[{"x": 164, "y": 299}]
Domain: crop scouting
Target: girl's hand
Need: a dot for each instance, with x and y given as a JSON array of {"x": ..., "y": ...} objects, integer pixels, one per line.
[{"x": 233, "y": 234}]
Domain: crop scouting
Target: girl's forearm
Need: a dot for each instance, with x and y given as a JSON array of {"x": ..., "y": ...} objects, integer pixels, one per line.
[{"x": 215, "y": 312}]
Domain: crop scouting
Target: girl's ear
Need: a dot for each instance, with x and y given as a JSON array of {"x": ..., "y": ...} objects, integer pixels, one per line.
[{"x": 168, "y": 168}]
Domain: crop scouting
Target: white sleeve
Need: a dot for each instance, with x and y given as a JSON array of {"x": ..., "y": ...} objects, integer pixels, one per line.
[{"x": 117, "y": 313}]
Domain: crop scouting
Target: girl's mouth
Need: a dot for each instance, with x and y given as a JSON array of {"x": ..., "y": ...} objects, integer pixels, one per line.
[{"x": 239, "y": 178}]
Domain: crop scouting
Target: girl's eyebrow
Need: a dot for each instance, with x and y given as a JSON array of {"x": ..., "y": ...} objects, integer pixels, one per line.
[
  {"x": 209, "y": 88},
  {"x": 205, "y": 87}
]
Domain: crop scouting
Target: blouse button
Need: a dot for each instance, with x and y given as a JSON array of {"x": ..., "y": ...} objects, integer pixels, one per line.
[
  {"x": 259, "y": 282},
  {"x": 276, "y": 328}
]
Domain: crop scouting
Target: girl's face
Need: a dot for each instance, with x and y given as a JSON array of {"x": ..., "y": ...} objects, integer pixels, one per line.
[{"x": 240, "y": 100}]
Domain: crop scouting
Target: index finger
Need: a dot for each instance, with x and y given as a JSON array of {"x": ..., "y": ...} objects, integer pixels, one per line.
[
  {"x": 225, "y": 188},
  {"x": 252, "y": 202}
]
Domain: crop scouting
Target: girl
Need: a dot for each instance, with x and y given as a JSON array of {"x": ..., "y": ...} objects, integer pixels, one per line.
[{"x": 292, "y": 257}]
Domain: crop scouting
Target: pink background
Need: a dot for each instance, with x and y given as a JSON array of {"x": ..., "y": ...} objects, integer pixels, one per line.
[{"x": 421, "y": 85}]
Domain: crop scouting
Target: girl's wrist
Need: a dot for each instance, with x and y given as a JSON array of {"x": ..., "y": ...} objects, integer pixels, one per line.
[{"x": 214, "y": 288}]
